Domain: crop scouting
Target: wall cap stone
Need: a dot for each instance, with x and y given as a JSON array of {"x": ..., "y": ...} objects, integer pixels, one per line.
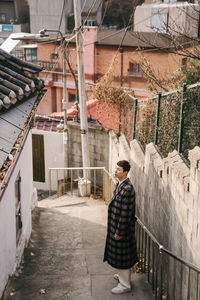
[{"x": 194, "y": 157}]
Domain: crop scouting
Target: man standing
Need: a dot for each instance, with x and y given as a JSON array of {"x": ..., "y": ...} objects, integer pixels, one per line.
[{"x": 120, "y": 249}]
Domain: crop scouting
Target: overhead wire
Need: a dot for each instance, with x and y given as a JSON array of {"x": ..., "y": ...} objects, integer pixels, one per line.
[
  {"x": 89, "y": 12},
  {"x": 103, "y": 15},
  {"x": 74, "y": 30},
  {"x": 59, "y": 26},
  {"x": 83, "y": 6},
  {"x": 115, "y": 33}
]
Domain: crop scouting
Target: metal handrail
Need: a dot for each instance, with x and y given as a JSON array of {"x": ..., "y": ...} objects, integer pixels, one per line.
[
  {"x": 163, "y": 249},
  {"x": 157, "y": 266},
  {"x": 169, "y": 275}
]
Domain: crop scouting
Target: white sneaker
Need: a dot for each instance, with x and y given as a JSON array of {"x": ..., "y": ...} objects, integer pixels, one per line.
[
  {"x": 116, "y": 276},
  {"x": 119, "y": 289}
]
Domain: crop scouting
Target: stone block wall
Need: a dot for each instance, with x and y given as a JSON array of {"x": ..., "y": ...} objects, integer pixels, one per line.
[
  {"x": 168, "y": 194},
  {"x": 98, "y": 140}
]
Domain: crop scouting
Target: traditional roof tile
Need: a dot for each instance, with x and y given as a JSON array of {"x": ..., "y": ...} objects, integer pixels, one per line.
[
  {"x": 18, "y": 80},
  {"x": 20, "y": 93}
]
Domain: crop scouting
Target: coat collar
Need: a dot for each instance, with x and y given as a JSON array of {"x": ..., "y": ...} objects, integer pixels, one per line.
[{"x": 120, "y": 185}]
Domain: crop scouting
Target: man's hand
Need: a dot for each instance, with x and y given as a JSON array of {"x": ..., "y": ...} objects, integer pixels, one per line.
[{"x": 118, "y": 237}]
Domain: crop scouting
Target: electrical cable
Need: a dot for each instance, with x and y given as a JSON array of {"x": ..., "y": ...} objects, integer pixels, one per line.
[
  {"x": 103, "y": 16},
  {"x": 60, "y": 22},
  {"x": 89, "y": 11},
  {"x": 83, "y": 6}
]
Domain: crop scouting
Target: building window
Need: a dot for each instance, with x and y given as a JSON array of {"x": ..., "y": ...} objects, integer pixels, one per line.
[
  {"x": 18, "y": 208},
  {"x": 90, "y": 23},
  {"x": 159, "y": 21},
  {"x": 70, "y": 22},
  {"x": 72, "y": 97},
  {"x": 135, "y": 70},
  {"x": 54, "y": 56},
  {"x": 183, "y": 62},
  {"x": 2, "y": 18},
  {"x": 18, "y": 51},
  {"x": 31, "y": 54}
]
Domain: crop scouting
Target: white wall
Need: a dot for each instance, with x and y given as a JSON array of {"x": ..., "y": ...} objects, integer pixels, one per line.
[
  {"x": 182, "y": 17},
  {"x": 98, "y": 140},
  {"x": 10, "y": 253},
  {"x": 53, "y": 156}
]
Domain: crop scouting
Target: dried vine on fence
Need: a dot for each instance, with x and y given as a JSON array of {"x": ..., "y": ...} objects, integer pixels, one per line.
[{"x": 113, "y": 101}]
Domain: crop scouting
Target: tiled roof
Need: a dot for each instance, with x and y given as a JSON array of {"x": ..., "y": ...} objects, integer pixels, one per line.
[
  {"x": 17, "y": 80},
  {"x": 139, "y": 39},
  {"x": 19, "y": 93}
]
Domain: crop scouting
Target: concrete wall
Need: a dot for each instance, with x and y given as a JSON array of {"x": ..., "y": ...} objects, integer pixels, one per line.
[
  {"x": 98, "y": 147},
  {"x": 46, "y": 14},
  {"x": 9, "y": 10},
  {"x": 10, "y": 252},
  {"x": 96, "y": 11},
  {"x": 182, "y": 17},
  {"x": 167, "y": 195},
  {"x": 22, "y": 11}
]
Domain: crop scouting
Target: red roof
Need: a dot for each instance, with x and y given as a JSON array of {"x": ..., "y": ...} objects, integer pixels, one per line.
[{"x": 106, "y": 115}]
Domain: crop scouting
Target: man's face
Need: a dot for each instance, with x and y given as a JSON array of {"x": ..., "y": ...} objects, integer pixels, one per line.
[{"x": 120, "y": 173}]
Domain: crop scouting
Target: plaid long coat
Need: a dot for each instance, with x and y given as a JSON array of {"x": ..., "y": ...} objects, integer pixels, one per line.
[{"x": 121, "y": 254}]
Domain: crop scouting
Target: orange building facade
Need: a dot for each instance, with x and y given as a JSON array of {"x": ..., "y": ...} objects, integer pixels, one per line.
[{"x": 101, "y": 50}]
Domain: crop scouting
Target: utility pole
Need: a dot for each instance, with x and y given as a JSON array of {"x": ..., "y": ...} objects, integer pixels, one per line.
[
  {"x": 65, "y": 98},
  {"x": 64, "y": 103},
  {"x": 81, "y": 86}
]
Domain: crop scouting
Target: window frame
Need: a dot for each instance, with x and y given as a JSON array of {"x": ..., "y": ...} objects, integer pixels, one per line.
[
  {"x": 138, "y": 72},
  {"x": 33, "y": 58}
]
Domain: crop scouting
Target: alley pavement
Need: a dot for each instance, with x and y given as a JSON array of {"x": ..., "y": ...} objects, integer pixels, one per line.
[{"x": 64, "y": 258}]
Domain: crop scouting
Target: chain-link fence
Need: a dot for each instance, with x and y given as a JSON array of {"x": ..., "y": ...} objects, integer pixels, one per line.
[{"x": 171, "y": 120}]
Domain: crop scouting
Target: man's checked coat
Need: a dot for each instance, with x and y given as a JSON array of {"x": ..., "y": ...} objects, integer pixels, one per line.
[{"x": 121, "y": 254}]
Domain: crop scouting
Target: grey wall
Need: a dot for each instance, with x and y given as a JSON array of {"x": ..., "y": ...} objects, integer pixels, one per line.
[
  {"x": 98, "y": 140},
  {"x": 22, "y": 11},
  {"x": 9, "y": 9},
  {"x": 47, "y": 13}
]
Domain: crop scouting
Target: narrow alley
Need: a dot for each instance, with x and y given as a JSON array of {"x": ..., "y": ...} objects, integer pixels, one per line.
[{"x": 63, "y": 260}]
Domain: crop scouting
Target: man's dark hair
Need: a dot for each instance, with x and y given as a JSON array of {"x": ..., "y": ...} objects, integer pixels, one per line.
[{"x": 124, "y": 164}]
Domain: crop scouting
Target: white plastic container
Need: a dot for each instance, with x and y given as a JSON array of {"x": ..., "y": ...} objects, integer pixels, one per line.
[{"x": 84, "y": 187}]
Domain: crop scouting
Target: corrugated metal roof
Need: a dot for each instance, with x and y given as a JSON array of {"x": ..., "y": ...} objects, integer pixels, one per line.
[{"x": 11, "y": 124}]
